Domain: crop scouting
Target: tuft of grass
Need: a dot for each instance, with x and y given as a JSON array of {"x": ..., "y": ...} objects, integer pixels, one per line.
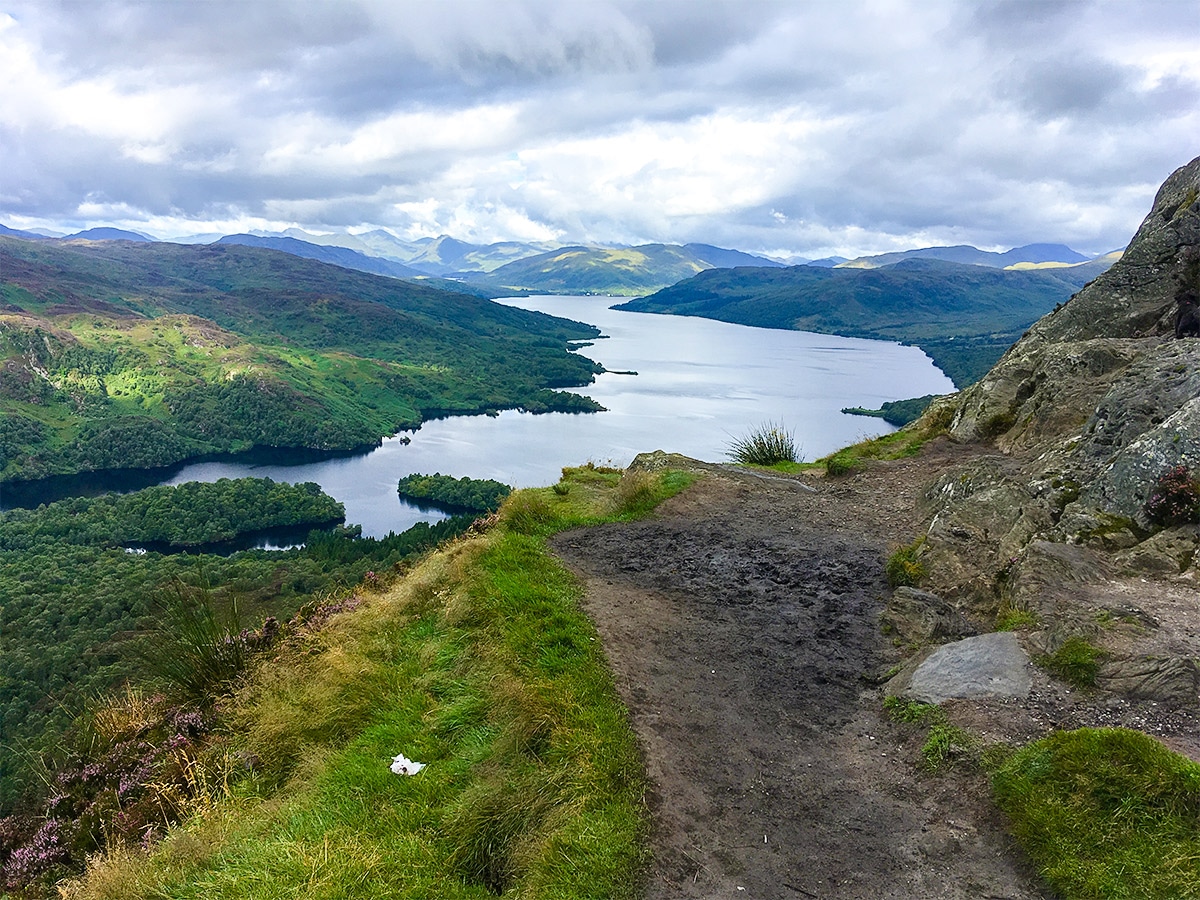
[
  {"x": 1076, "y": 662},
  {"x": 1105, "y": 813},
  {"x": 904, "y": 566},
  {"x": 197, "y": 650},
  {"x": 840, "y": 463},
  {"x": 767, "y": 445},
  {"x": 944, "y": 743},
  {"x": 1010, "y": 618}
]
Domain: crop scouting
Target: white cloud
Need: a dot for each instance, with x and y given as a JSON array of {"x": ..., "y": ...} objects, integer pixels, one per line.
[{"x": 817, "y": 128}]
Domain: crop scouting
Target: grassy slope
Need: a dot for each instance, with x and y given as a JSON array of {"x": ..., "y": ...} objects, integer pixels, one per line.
[
  {"x": 122, "y": 354},
  {"x": 964, "y": 316},
  {"x": 1106, "y": 814},
  {"x": 479, "y": 664}
]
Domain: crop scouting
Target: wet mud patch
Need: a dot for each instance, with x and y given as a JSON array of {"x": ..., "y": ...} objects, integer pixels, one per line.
[{"x": 740, "y": 623}]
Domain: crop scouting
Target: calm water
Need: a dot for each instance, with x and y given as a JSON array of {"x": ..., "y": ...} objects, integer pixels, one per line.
[{"x": 699, "y": 384}]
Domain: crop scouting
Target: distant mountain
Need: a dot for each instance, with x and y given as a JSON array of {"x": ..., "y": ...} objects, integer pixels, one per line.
[
  {"x": 619, "y": 271},
  {"x": 447, "y": 256},
  {"x": 827, "y": 262},
  {"x": 964, "y": 316},
  {"x": 14, "y": 232},
  {"x": 338, "y": 256},
  {"x": 972, "y": 256},
  {"x": 719, "y": 258},
  {"x": 107, "y": 234}
]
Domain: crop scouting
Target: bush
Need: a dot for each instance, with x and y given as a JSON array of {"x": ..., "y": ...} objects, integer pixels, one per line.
[
  {"x": 904, "y": 567},
  {"x": 1175, "y": 499},
  {"x": 765, "y": 446}
]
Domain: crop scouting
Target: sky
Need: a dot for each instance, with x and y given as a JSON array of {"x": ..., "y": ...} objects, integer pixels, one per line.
[{"x": 801, "y": 129}]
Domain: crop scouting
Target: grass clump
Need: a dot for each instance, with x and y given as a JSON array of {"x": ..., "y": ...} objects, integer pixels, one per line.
[
  {"x": 904, "y": 567},
  {"x": 1105, "y": 813},
  {"x": 1013, "y": 619},
  {"x": 944, "y": 742},
  {"x": 1076, "y": 662},
  {"x": 767, "y": 445}
]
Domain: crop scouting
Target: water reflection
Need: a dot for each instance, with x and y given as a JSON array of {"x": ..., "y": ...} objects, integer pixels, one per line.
[{"x": 699, "y": 384}]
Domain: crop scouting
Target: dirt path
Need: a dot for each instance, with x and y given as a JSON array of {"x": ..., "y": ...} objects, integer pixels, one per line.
[{"x": 740, "y": 623}]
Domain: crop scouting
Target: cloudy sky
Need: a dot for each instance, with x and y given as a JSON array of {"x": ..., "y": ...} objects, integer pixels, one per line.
[{"x": 806, "y": 128}]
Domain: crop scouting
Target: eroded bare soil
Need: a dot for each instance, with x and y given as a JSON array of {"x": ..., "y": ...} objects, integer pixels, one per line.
[{"x": 742, "y": 626}]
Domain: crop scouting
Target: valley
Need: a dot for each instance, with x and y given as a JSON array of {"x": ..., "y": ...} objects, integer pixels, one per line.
[{"x": 753, "y": 595}]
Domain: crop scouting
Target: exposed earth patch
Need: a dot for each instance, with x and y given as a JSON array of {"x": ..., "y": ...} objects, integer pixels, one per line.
[{"x": 742, "y": 624}]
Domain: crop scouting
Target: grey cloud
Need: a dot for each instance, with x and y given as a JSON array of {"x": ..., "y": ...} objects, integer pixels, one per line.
[{"x": 989, "y": 123}]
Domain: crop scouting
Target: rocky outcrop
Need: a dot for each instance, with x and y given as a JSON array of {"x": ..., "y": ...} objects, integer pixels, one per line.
[
  {"x": 1094, "y": 404},
  {"x": 916, "y": 617}
]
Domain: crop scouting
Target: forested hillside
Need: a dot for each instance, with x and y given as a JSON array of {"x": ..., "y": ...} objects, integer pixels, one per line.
[{"x": 120, "y": 354}]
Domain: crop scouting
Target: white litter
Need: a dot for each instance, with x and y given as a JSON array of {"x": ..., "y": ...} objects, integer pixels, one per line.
[{"x": 402, "y": 765}]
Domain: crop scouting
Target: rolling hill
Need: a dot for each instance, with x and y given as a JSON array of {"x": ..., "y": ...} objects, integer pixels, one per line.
[
  {"x": 972, "y": 256},
  {"x": 618, "y": 271},
  {"x": 117, "y": 354},
  {"x": 963, "y": 316}
]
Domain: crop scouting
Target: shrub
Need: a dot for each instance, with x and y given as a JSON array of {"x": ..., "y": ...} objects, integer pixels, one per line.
[
  {"x": 765, "y": 446},
  {"x": 904, "y": 567},
  {"x": 1175, "y": 499}
]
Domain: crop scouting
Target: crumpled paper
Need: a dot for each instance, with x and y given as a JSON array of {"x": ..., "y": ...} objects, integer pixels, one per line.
[{"x": 402, "y": 765}]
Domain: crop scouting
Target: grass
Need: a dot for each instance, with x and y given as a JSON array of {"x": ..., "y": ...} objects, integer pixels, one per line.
[
  {"x": 901, "y": 444},
  {"x": 478, "y": 663},
  {"x": 767, "y": 445},
  {"x": 1076, "y": 662},
  {"x": 1105, "y": 813},
  {"x": 944, "y": 743},
  {"x": 904, "y": 567}
]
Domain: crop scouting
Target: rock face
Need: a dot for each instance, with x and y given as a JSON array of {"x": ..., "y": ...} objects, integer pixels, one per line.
[
  {"x": 1086, "y": 412},
  {"x": 919, "y": 617}
]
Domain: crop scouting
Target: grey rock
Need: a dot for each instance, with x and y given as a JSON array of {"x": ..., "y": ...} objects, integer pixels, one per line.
[
  {"x": 1169, "y": 552},
  {"x": 919, "y": 617},
  {"x": 990, "y": 665},
  {"x": 1166, "y": 679},
  {"x": 1125, "y": 484}
]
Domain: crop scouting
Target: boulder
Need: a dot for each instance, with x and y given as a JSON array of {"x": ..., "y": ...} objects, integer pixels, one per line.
[
  {"x": 990, "y": 665},
  {"x": 1172, "y": 680}
]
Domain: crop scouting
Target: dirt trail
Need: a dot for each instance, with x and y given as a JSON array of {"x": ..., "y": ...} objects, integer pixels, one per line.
[{"x": 740, "y": 623}]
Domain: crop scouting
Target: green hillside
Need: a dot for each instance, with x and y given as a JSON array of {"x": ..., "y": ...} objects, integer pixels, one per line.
[
  {"x": 618, "y": 271},
  {"x": 128, "y": 355},
  {"x": 963, "y": 316}
]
